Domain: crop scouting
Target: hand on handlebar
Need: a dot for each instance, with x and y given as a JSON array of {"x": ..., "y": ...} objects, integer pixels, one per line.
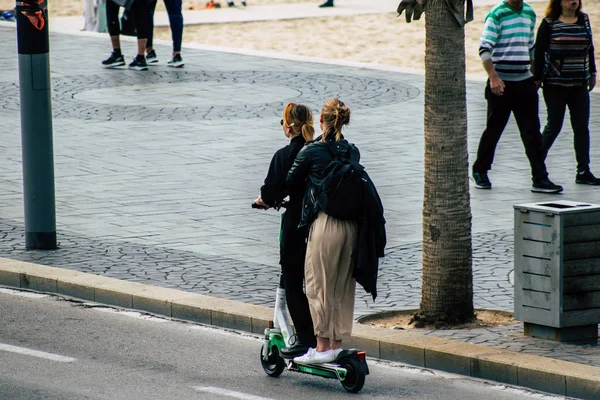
[{"x": 260, "y": 204}]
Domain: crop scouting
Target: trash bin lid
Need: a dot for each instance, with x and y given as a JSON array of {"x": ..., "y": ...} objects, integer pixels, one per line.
[{"x": 559, "y": 207}]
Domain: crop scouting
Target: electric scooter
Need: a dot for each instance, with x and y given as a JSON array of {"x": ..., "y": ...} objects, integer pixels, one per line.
[{"x": 350, "y": 367}]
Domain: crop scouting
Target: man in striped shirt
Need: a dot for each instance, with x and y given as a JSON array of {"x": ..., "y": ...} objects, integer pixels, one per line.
[{"x": 506, "y": 49}]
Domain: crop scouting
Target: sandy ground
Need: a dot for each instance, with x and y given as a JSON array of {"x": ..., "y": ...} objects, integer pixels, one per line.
[
  {"x": 75, "y": 7},
  {"x": 379, "y": 39},
  {"x": 403, "y": 320}
]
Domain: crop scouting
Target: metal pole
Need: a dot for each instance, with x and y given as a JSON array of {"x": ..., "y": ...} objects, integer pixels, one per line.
[{"x": 36, "y": 124}]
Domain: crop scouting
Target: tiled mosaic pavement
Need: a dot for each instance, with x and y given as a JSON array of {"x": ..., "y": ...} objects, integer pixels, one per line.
[{"x": 155, "y": 173}]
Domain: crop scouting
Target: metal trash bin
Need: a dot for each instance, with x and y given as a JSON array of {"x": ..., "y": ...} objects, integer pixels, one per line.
[{"x": 557, "y": 269}]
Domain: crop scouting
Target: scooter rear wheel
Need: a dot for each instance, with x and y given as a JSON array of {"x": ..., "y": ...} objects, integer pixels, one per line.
[
  {"x": 275, "y": 365},
  {"x": 355, "y": 376}
]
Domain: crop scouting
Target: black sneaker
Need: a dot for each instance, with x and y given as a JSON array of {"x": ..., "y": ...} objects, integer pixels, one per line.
[
  {"x": 151, "y": 57},
  {"x": 176, "y": 61},
  {"x": 114, "y": 60},
  {"x": 545, "y": 186},
  {"x": 481, "y": 180},
  {"x": 328, "y": 3},
  {"x": 586, "y": 178},
  {"x": 139, "y": 63},
  {"x": 295, "y": 350}
]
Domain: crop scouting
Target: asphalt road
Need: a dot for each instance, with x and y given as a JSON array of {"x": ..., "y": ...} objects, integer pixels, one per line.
[{"x": 52, "y": 348}]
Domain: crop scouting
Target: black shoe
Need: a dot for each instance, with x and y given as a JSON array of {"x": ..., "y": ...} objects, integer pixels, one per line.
[
  {"x": 114, "y": 60},
  {"x": 586, "y": 178},
  {"x": 481, "y": 180},
  {"x": 151, "y": 57},
  {"x": 327, "y": 4},
  {"x": 545, "y": 186},
  {"x": 294, "y": 350},
  {"x": 230, "y": 4},
  {"x": 176, "y": 61},
  {"x": 139, "y": 63}
]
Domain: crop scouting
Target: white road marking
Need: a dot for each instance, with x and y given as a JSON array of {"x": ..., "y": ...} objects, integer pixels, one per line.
[
  {"x": 35, "y": 353},
  {"x": 228, "y": 393},
  {"x": 23, "y": 293}
]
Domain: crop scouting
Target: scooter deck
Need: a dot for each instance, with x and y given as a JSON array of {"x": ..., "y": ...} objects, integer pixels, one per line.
[{"x": 327, "y": 370}]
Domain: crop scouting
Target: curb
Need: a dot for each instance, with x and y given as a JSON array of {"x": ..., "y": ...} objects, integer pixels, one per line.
[{"x": 534, "y": 372}]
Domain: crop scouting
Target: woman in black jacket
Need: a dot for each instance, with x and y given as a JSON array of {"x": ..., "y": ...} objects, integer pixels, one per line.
[
  {"x": 330, "y": 286},
  {"x": 297, "y": 124}
]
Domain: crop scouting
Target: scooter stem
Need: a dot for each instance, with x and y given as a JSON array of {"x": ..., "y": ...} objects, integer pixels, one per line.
[{"x": 280, "y": 319}]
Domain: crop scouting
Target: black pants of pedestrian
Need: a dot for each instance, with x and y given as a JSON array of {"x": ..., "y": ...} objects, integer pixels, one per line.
[
  {"x": 521, "y": 99},
  {"x": 292, "y": 276},
  {"x": 137, "y": 10},
  {"x": 577, "y": 98},
  {"x": 175, "y": 22}
]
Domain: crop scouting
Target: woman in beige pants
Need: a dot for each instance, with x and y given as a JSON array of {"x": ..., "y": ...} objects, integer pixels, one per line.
[{"x": 328, "y": 264}]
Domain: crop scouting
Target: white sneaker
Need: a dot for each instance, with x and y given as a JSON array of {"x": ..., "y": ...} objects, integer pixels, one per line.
[
  {"x": 306, "y": 358},
  {"x": 337, "y": 352}
]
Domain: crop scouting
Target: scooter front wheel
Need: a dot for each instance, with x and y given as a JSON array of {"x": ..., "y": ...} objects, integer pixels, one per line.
[
  {"x": 355, "y": 376},
  {"x": 274, "y": 365}
]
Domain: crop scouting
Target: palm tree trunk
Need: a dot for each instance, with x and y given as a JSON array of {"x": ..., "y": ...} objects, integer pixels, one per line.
[{"x": 447, "y": 293}]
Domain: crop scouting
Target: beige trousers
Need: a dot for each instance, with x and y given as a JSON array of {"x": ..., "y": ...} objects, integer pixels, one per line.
[{"x": 328, "y": 273}]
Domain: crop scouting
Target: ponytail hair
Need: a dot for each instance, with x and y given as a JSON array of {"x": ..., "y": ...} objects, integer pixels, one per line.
[
  {"x": 335, "y": 115},
  {"x": 300, "y": 119}
]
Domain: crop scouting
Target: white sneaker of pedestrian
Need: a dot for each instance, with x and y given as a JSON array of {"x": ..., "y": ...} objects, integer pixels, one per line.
[
  {"x": 318, "y": 357},
  {"x": 337, "y": 352},
  {"x": 306, "y": 358}
]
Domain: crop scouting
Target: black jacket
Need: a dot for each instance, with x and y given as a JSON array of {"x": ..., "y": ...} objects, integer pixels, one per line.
[
  {"x": 292, "y": 248},
  {"x": 309, "y": 167},
  {"x": 371, "y": 237},
  {"x": 371, "y": 241}
]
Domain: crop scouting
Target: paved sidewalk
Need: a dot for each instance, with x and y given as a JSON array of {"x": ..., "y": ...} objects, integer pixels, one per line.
[{"x": 155, "y": 172}]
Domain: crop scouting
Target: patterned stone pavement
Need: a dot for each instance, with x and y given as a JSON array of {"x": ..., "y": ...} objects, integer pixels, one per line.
[{"x": 155, "y": 173}]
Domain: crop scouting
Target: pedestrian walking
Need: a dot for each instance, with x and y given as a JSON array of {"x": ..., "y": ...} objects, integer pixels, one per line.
[
  {"x": 91, "y": 13},
  {"x": 506, "y": 49},
  {"x": 297, "y": 125},
  {"x": 328, "y": 267},
  {"x": 175, "y": 23},
  {"x": 139, "y": 12},
  {"x": 565, "y": 67}
]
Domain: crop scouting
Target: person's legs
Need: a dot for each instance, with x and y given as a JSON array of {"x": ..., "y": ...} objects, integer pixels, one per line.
[
  {"x": 345, "y": 288},
  {"x": 578, "y": 101},
  {"x": 498, "y": 113},
  {"x": 176, "y": 23},
  {"x": 325, "y": 243},
  {"x": 555, "y": 99},
  {"x": 525, "y": 109},
  {"x": 112, "y": 20},
  {"x": 525, "y": 106},
  {"x": 579, "y": 109},
  {"x": 150, "y": 8},
  {"x": 139, "y": 12},
  {"x": 293, "y": 279}
]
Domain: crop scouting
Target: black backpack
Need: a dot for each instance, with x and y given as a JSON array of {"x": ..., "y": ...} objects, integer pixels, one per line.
[{"x": 341, "y": 195}]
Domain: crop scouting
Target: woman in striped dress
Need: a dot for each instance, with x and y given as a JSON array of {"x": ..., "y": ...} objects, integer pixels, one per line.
[{"x": 566, "y": 69}]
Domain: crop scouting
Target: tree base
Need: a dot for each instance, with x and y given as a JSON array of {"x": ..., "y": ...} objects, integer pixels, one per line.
[{"x": 423, "y": 319}]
